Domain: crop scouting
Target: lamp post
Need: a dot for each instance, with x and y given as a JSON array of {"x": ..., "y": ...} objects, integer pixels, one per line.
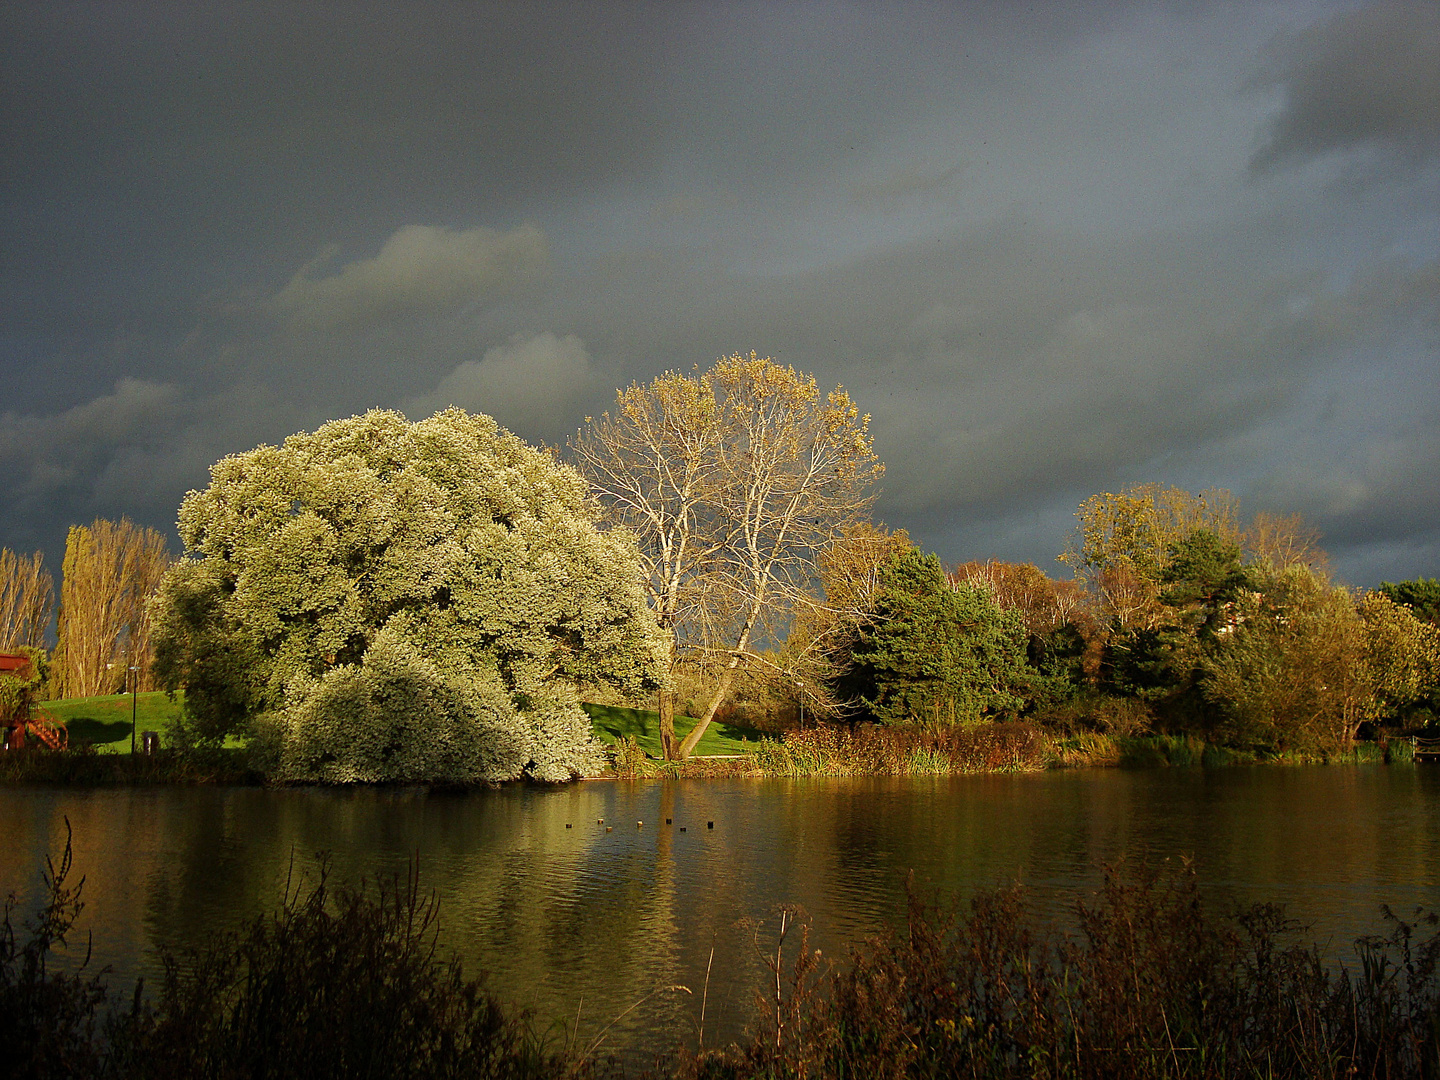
[{"x": 134, "y": 705}]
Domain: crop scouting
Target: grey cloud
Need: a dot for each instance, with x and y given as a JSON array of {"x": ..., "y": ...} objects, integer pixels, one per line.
[
  {"x": 531, "y": 384},
  {"x": 1097, "y": 296},
  {"x": 421, "y": 270},
  {"x": 66, "y": 464},
  {"x": 131, "y": 452},
  {"x": 1014, "y": 369},
  {"x": 1365, "y": 77},
  {"x": 913, "y": 182},
  {"x": 52, "y": 453}
]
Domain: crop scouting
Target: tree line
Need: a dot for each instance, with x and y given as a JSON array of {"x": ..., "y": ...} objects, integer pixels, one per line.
[
  {"x": 102, "y": 619},
  {"x": 388, "y": 600},
  {"x": 1176, "y": 620},
  {"x": 749, "y": 494}
]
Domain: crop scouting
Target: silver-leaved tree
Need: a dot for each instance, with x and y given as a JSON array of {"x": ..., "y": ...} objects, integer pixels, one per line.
[{"x": 387, "y": 601}]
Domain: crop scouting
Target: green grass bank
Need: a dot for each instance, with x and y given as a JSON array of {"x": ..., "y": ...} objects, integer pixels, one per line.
[{"x": 103, "y": 722}]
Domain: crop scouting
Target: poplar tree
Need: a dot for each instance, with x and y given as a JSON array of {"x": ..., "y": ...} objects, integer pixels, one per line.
[
  {"x": 27, "y": 600},
  {"x": 111, "y": 570}
]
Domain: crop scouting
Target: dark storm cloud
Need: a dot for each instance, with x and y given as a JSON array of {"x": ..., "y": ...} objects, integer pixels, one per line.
[
  {"x": 1364, "y": 77},
  {"x": 1014, "y": 365},
  {"x": 1040, "y": 246}
]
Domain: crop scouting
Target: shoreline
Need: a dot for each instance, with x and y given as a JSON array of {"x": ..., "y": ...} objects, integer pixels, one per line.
[{"x": 825, "y": 754}]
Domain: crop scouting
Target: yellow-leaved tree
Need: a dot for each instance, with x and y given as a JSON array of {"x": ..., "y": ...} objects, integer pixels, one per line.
[
  {"x": 111, "y": 570},
  {"x": 733, "y": 480},
  {"x": 27, "y": 600}
]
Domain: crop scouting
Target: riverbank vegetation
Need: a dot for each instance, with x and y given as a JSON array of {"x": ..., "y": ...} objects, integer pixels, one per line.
[
  {"x": 89, "y": 768},
  {"x": 382, "y": 601},
  {"x": 350, "y": 980}
]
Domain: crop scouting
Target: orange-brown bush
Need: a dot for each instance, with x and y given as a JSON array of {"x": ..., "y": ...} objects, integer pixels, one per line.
[{"x": 903, "y": 750}]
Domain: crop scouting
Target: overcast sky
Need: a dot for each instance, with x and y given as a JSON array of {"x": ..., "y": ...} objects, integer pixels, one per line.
[{"x": 1053, "y": 249}]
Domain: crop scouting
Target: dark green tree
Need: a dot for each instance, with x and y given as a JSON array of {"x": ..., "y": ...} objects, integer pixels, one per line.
[
  {"x": 1422, "y": 596},
  {"x": 934, "y": 651},
  {"x": 1200, "y": 583}
]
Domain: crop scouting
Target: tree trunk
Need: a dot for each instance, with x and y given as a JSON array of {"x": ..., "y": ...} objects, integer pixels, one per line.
[
  {"x": 688, "y": 746},
  {"x": 667, "y": 724}
]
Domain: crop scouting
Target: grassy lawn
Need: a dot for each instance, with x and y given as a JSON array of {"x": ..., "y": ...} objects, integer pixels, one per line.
[
  {"x": 104, "y": 721},
  {"x": 612, "y": 724}
]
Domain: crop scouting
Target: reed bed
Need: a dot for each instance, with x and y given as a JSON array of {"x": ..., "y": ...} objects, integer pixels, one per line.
[
  {"x": 904, "y": 750},
  {"x": 1099, "y": 749}
]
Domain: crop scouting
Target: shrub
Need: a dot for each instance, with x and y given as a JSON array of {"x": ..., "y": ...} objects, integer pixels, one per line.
[
  {"x": 48, "y": 1016},
  {"x": 337, "y": 983}
]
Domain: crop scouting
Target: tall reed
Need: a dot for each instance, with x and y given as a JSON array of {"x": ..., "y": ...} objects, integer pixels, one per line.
[
  {"x": 1152, "y": 986},
  {"x": 903, "y": 750}
]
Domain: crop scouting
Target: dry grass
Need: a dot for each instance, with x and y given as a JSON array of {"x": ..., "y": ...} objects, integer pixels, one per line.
[
  {"x": 1153, "y": 986},
  {"x": 873, "y": 750}
]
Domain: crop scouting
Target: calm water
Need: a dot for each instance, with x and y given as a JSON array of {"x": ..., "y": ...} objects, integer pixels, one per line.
[{"x": 585, "y": 921}]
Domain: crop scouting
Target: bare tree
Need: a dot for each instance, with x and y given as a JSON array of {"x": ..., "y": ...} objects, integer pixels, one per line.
[
  {"x": 111, "y": 569},
  {"x": 655, "y": 464},
  {"x": 1285, "y": 540},
  {"x": 27, "y": 600},
  {"x": 1044, "y": 603},
  {"x": 796, "y": 470},
  {"x": 733, "y": 481}
]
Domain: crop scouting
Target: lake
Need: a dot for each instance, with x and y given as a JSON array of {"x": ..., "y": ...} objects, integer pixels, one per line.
[{"x": 586, "y": 921}]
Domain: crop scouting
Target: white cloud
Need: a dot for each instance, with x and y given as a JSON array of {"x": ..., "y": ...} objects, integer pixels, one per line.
[
  {"x": 528, "y": 384},
  {"x": 421, "y": 270}
]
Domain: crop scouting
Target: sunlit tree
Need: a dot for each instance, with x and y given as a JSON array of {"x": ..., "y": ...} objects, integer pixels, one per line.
[
  {"x": 1123, "y": 542},
  {"x": 27, "y": 600},
  {"x": 110, "y": 572},
  {"x": 1421, "y": 596},
  {"x": 382, "y": 600},
  {"x": 734, "y": 480},
  {"x": 825, "y": 630},
  {"x": 655, "y": 463}
]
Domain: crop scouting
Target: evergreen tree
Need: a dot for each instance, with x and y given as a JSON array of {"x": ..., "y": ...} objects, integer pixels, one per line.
[{"x": 935, "y": 651}]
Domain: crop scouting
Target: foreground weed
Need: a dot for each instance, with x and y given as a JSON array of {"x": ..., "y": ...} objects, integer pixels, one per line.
[
  {"x": 347, "y": 982},
  {"x": 48, "y": 1016},
  {"x": 1151, "y": 986}
]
